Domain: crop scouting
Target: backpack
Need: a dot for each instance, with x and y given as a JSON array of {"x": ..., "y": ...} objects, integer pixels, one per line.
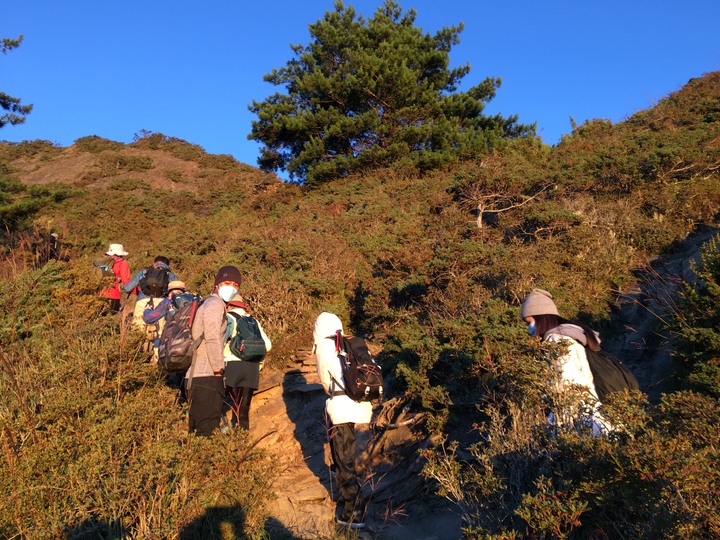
[
  {"x": 155, "y": 281},
  {"x": 609, "y": 373},
  {"x": 247, "y": 343},
  {"x": 362, "y": 377},
  {"x": 177, "y": 346}
]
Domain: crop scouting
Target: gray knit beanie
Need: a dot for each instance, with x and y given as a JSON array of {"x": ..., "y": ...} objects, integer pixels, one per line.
[{"x": 538, "y": 302}]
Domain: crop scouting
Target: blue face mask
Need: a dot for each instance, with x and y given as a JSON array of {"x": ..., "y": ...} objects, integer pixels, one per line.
[{"x": 532, "y": 329}]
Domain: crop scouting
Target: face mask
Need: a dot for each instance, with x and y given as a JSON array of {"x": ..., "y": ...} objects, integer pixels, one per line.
[
  {"x": 227, "y": 292},
  {"x": 532, "y": 329}
]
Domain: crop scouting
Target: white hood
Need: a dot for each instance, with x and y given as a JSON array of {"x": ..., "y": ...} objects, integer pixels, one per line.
[
  {"x": 340, "y": 408},
  {"x": 326, "y": 325}
]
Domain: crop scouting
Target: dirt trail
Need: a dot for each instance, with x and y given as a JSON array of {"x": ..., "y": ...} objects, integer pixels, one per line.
[{"x": 290, "y": 407}]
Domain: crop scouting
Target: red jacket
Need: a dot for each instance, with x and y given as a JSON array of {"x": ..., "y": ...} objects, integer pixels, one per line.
[{"x": 121, "y": 269}]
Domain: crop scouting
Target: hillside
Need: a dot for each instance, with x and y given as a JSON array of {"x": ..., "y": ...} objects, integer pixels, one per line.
[{"x": 431, "y": 269}]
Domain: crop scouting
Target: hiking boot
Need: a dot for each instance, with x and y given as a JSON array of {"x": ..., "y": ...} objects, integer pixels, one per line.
[{"x": 352, "y": 520}]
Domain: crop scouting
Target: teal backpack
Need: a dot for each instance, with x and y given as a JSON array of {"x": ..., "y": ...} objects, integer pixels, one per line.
[{"x": 247, "y": 344}]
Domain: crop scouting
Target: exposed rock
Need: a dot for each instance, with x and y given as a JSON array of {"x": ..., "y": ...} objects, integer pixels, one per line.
[
  {"x": 289, "y": 419},
  {"x": 644, "y": 345}
]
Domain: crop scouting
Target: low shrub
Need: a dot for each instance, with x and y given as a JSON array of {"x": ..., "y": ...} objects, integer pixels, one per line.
[
  {"x": 652, "y": 479},
  {"x": 94, "y": 144},
  {"x": 93, "y": 442}
]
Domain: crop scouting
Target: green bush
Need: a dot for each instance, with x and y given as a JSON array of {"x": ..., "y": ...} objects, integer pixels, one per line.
[
  {"x": 93, "y": 441},
  {"x": 653, "y": 479},
  {"x": 112, "y": 163},
  {"x": 695, "y": 323},
  {"x": 41, "y": 149},
  {"x": 19, "y": 204},
  {"x": 94, "y": 144}
]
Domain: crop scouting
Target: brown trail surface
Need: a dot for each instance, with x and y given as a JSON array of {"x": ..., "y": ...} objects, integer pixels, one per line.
[{"x": 288, "y": 414}]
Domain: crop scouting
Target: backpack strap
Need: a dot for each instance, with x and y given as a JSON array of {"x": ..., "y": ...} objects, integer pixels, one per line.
[
  {"x": 336, "y": 337},
  {"x": 333, "y": 392},
  {"x": 237, "y": 319}
]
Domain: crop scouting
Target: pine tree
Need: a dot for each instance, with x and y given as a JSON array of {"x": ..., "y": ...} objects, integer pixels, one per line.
[
  {"x": 371, "y": 93},
  {"x": 16, "y": 112}
]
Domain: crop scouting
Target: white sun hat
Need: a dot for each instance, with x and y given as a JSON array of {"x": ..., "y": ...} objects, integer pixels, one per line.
[{"x": 117, "y": 249}]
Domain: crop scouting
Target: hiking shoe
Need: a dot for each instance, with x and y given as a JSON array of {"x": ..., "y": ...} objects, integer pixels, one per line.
[{"x": 352, "y": 520}]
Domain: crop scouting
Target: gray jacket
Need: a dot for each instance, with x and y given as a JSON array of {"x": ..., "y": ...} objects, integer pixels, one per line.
[{"x": 210, "y": 323}]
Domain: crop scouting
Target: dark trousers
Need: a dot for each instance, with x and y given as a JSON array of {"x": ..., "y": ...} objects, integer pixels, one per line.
[
  {"x": 114, "y": 305},
  {"x": 206, "y": 403},
  {"x": 342, "y": 446},
  {"x": 177, "y": 381},
  {"x": 238, "y": 399}
]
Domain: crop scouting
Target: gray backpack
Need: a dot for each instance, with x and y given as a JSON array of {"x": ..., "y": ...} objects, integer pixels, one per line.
[{"x": 177, "y": 346}]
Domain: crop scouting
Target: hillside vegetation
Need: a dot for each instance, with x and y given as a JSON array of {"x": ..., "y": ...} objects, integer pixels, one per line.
[{"x": 431, "y": 268}]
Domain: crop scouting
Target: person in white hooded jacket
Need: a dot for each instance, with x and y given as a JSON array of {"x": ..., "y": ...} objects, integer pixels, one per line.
[
  {"x": 344, "y": 413},
  {"x": 543, "y": 320}
]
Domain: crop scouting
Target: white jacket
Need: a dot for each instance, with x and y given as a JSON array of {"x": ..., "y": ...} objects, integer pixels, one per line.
[
  {"x": 341, "y": 408},
  {"x": 573, "y": 369}
]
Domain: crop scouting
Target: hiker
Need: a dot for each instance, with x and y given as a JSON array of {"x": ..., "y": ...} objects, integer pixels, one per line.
[
  {"x": 46, "y": 248},
  {"x": 151, "y": 284},
  {"x": 205, "y": 384},
  {"x": 242, "y": 376},
  {"x": 344, "y": 413},
  {"x": 119, "y": 267},
  {"x": 543, "y": 321},
  {"x": 176, "y": 297},
  {"x": 156, "y": 315}
]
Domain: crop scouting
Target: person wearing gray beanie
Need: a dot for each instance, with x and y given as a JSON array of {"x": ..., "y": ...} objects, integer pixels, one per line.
[
  {"x": 543, "y": 321},
  {"x": 538, "y": 302}
]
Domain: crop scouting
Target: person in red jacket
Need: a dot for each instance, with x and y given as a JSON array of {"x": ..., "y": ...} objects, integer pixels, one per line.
[{"x": 121, "y": 269}]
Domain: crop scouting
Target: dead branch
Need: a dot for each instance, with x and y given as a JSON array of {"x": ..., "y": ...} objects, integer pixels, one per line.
[
  {"x": 408, "y": 422},
  {"x": 489, "y": 203}
]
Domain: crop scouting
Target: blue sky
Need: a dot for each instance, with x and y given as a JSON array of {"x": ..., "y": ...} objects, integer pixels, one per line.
[{"x": 190, "y": 69}]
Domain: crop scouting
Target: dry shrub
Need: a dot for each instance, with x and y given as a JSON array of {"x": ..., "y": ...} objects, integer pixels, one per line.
[{"x": 93, "y": 442}]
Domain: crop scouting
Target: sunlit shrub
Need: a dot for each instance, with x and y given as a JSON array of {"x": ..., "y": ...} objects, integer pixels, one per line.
[{"x": 93, "y": 441}]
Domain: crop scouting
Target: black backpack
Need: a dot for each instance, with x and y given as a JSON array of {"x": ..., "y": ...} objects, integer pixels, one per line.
[
  {"x": 177, "y": 346},
  {"x": 362, "y": 377},
  {"x": 155, "y": 281},
  {"x": 247, "y": 343},
  {"x": 609, "y": 373}
]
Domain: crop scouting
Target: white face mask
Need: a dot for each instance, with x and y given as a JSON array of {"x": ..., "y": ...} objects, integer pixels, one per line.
[{"x": 227, "y": 292}]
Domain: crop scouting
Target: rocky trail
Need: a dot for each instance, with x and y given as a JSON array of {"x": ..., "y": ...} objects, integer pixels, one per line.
[{"x": 288, "y": 414}]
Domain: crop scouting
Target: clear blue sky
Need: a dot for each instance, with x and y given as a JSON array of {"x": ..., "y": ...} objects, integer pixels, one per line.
[{"x": 190, "y": 69}]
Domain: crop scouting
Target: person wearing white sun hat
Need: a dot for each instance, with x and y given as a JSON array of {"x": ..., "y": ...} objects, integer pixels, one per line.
[
  {"x": 344, "y": 414},
  {"x": 121, "y": 270}
]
